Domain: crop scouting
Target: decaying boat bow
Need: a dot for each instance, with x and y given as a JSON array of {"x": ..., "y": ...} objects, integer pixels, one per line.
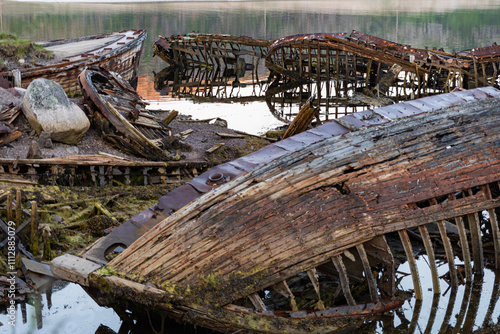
[
  {"x": 121, "y": 114},
  {"x": 119, "y": 52},
  {"x": 294, "y": 238}
]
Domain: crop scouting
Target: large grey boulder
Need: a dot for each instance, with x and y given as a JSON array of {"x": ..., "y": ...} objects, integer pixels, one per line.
[{"x": 48, "y": 109}]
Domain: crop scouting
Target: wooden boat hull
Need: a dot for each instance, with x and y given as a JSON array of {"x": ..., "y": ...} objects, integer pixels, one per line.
[
  {"x": 315, "y": 212},
  {"x": 359, "y": 61},
  {"x": 121, "y": 53},
  {"x": 121, "y": 115}
]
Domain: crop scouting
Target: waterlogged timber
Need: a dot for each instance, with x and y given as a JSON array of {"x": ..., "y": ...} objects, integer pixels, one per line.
[
  {"x": 119, "y": 52},
  {"x": 303, "y": 238}
]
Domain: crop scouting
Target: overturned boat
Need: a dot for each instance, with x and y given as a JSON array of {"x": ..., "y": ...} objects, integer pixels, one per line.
[
  {"x": 297, "y": 236},
  {"x": 119, "y": 52}
]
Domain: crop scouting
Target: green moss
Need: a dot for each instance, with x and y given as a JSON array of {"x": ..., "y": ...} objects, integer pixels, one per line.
[{"x": 107, "y": 271}]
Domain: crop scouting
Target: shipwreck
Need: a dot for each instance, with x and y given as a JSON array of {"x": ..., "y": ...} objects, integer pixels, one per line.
[
  {"x": 345, "y": 72},
  {"x": 118, "y": 51},
  {"x": 298, "y": 237}
]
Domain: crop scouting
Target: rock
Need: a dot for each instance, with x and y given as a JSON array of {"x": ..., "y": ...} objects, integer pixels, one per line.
[
  {"x": 219, "y": 121},
  {"x": 73, "y": 150},
  {"x": 45, "y": 141},
  {"x": 34, "y": 151},
  {"x": 47, "y": 108}
]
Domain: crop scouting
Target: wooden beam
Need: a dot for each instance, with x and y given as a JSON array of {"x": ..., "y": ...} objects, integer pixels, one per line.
[
  {"x": 405, "y": 240},
  {"x": 344, "y": 279},
  {"x": 432, "y": 259},
  {"x": 372, "y": 283}
]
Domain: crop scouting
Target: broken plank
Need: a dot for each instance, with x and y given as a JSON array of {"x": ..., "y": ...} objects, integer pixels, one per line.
[
  {"x": 228, "y": 135},
  {"x": 214, "y": 148},
  {"x": 73, "y": 268}
]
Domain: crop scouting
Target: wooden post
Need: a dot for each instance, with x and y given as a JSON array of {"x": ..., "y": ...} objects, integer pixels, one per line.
[
  {"x": 372, "y": 283},
  {"x": 313, "y": 276},
  {"x": 493, "y": 228},
  {"x": 449, "y": 253},
  {"x": 344, "y": 280},
  {"x": 9, "y": 207},
  {"x": 34, "y": 229},
  {"x": 18, "y": 208},
  {"x": 477, "y": 244}
]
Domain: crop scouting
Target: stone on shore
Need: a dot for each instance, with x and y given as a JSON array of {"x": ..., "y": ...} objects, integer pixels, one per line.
[{"x": 48, "y": 109}]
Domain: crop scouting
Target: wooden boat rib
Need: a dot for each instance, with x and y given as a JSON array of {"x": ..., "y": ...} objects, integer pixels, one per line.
[
  {"x": 119, "y": 52},
  {"x": 314, "y": 212},
  {"x": 121, "y": 114}
]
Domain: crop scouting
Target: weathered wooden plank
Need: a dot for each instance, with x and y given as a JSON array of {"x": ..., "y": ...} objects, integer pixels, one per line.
[
  {"x": 432, "y": 259},
  {"x": 344, "y": 280},
  {"x": 73, "y": 268},
  {"x": 313, "y": 276},
  {"x": 495, "y": 232},
  {"x": 477, "y": 244},
  {"x": 257, "y": 302}
]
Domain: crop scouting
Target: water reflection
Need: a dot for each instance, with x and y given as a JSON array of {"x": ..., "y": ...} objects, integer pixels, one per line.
[{"x": 60, "y": 307}]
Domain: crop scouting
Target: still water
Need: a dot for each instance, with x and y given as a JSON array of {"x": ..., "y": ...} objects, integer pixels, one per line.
[{"x": 452, "y": 25}]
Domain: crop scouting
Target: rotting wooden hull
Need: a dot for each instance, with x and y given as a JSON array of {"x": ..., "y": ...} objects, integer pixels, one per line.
[
  {"x": 208, "y": 50},
  {"x": 120, "y": 52},
  {"x": 315, "y": 206},
  {"x": 359, "y": 61},
  {"x": 120, "y": 113},
  {"x": 97, "y": 171}
]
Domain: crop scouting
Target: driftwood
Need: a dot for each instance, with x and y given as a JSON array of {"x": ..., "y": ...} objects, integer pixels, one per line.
[
  {"x": 170, "y": 117},
  {"x": 302, "y": 120}
]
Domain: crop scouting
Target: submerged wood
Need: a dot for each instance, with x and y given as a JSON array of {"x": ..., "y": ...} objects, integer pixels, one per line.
[
  {"x": 321, "y": 201},
  {"x": 119, "y": 52}
]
